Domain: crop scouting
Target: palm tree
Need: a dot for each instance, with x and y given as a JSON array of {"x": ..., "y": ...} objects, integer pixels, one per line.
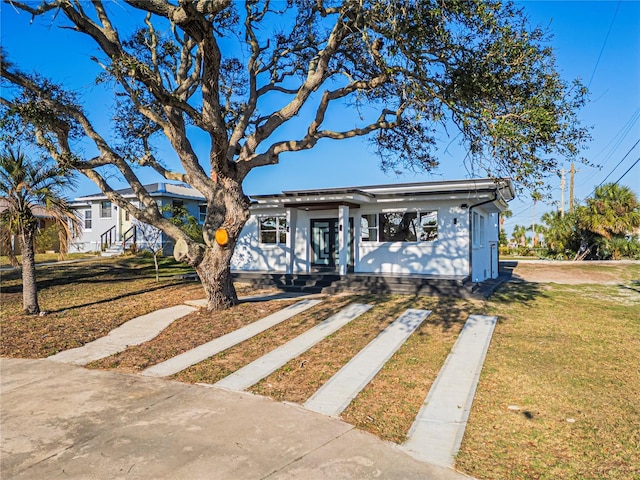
[
  {"x": 613, "y": 211},
  {"x": 519, "y": 235},
  {"x": 26, "y": 186},
  {"x": 535, "y": 196}
]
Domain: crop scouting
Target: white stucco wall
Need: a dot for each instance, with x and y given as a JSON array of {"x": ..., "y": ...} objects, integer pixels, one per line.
[
  {"x": 447, "y": 256},
  {"x": 251, "y": 255}
]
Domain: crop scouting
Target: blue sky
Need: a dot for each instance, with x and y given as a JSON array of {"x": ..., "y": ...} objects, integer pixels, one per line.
[{"x": 598, "y": 42}]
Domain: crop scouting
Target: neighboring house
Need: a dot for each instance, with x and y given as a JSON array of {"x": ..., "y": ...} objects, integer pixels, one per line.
[
  {"x": 106, "y": 226},
  {"x": 447, "y": 229},
  {"x": 46, "y": 223}
]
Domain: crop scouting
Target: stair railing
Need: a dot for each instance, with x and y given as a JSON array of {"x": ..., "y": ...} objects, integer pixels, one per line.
[
  {"x": 130, "y": 238},
  {"x": 107, "y": 238}
]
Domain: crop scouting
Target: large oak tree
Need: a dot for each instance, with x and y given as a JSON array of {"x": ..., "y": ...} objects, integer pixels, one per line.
[{"x": 247, "y": 74}]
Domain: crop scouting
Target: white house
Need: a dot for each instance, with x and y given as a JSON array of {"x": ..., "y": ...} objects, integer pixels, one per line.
[
  {"x": 106, "y": 225},
  {"x": 446, "y": 229}
]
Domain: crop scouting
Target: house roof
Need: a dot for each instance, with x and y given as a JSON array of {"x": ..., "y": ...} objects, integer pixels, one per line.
[
  {"x": 495, "y": 192},
  {"x": 160, "y": 189},
  {"x": 39, "y": 211}
]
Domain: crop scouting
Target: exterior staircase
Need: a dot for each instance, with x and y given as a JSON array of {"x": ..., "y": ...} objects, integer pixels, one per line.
[{"x": 113, "y": 250}]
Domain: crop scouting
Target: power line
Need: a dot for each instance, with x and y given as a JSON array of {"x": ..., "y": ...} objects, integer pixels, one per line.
[
  {"x": 623, "y": 159},
  {"x": 628, "y": 170},
  {"x": 604, "y": 44}
]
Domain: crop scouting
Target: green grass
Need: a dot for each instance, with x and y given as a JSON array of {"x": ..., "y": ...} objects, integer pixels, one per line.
[
  {"x": 565, "y": 358},
  {"x": 46, "y": 258}
]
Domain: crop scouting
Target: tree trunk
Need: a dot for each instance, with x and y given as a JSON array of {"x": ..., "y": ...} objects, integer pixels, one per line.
[
  {"x": 215, "y": 274},
  {"x": 29, "y": 286}
]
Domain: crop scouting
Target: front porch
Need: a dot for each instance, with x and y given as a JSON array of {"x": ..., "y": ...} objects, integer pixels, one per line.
[{"x": 332, "y": 282}]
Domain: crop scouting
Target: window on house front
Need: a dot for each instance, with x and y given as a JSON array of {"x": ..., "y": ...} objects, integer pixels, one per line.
[
  {"x": 105, "y": 209},
  {"x": 273, "y": 230},
  {"x": 177, "y": 207},
  {"x": 369, "y": 227},
  {"x": 203, "y": 213},
  {"x": 88, "y": 221},
  {"x": 408, "y": 226},
  {"x": 477, "y": 229}
]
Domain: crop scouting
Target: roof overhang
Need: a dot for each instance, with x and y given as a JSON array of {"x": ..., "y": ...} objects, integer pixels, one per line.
[{"x": 494, "y": 194}]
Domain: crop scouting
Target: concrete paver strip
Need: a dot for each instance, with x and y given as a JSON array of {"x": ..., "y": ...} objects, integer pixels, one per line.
[
  {"x": 61, "y": 421},
  {"x": 206, "y": 350},
  {"x": 436, "y": 434},
  {"x": 134, "y": 332},
  {"x": 335, "y": 395},
  {"x": 263, "y": 366}
]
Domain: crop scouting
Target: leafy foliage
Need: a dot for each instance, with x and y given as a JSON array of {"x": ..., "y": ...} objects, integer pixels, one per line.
[{"x": 604, "y": 228}]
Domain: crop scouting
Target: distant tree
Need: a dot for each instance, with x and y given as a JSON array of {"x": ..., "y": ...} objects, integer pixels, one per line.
[
  {"x": 561, "y": 233},
  {"x": 24, "y": 186},
  {"x": 504, "y": 215},
  {"x": 601, "y": 228},
  {"x": 150, "y": 239},
  {"x": 520, "y": 235},
  {"x": 258, "y": 79},
  {"x": 612, "y": 211}
]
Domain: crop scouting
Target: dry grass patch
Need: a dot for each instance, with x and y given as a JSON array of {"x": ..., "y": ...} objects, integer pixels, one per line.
[
  {"x": 224, "y": 363},
  {"x": 558, "y": 397},
  {"x": 389, "y": 403},
  {"x": 85, "y": 301},
  {"x": 189, "y": 332}
]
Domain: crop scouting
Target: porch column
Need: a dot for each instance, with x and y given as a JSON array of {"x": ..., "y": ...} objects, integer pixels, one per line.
[
  {"x": 292, "y": 218},
  {"x": 343, "y": 237},
  {"x": 116, "y": 212}
]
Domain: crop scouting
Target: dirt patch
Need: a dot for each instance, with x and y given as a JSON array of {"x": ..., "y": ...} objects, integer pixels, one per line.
[{"x": 574, "y": 273}]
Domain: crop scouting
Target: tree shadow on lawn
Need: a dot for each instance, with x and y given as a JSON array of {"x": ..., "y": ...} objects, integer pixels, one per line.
[
  {"x": 51, "y": 276},
  {"x": 117, "y": 297}
]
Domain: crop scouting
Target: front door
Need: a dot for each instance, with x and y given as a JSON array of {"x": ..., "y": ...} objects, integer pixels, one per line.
[{"x": 325, "y": 243}]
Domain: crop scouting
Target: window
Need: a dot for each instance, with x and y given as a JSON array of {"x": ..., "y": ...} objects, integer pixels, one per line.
[
  {"x": 408, "y": 227},
  {"x": 105, "y": 209},
  {"x": 369, "y": 227},
  {"x": 428, "y": 230},
  {"x": 477, "y": 229},
  {"x": 203, "y": 212},
  {"x": 273, "y": 230},
  {"x": 87, "y": 219},
  {"x": 177, "y": 208}
]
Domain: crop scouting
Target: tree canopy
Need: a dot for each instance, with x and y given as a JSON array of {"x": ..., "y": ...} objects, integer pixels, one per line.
[{"x": 259, "y": 79}]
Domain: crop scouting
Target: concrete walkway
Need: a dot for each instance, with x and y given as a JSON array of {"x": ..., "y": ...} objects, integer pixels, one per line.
[
  {"x": 206, "y": 350},
  {"x": 63, "y": 421},
  {"x": 436, "y": 434},
  {"x": 336, "y": 395},
  {"x": 134, "y": 332},
  {"x": 269, "y": 363}
]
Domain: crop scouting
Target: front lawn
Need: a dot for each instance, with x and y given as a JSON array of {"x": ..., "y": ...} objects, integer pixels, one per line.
[{"x": 557, "y": 397}]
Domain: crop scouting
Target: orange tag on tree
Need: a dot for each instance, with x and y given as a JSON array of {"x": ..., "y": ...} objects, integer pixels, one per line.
[{"x": 222, "y": 237}]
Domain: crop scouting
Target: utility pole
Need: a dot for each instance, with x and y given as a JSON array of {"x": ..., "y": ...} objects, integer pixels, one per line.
[
  {"x": 571, "y": 177},
  {"x": 562, "y": 186}
]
